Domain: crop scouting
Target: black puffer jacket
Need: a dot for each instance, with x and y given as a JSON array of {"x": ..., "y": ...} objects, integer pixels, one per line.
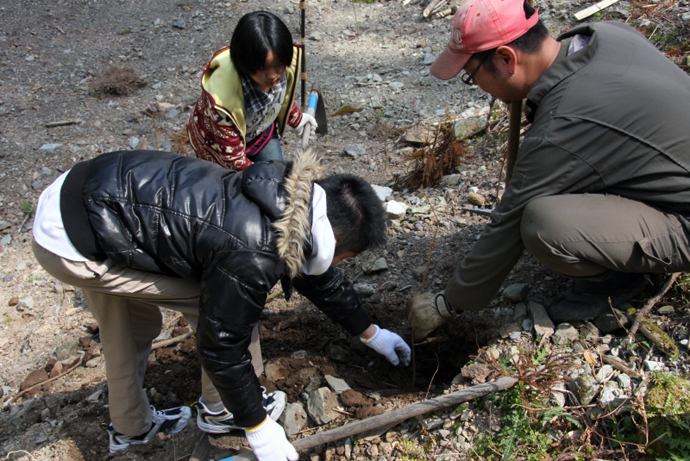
[{"x": 165, "y": 213}]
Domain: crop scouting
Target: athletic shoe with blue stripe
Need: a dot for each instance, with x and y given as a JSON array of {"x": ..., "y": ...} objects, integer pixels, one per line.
[
  {"x": 172, "y": 420},
  {"x": 222, "y": 422}
]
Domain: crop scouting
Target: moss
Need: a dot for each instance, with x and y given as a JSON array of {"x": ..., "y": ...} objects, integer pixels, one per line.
[
  {"x": 667, "y": 403},
  {"x": 658, "y": 337}
]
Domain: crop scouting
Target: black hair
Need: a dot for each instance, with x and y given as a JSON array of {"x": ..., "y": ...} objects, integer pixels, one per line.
[
  {"x": 355, "y": 213},
  {"x": 257, "y": 33},
  {"x": 530, "y": 42}
]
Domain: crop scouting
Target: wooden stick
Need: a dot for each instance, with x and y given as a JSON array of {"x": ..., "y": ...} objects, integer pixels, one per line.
[
  {"x": 652, "y": 301},
  {"x": 587, "y": 12},
  {"x": 394, "y": 417},
  {"x": 63, "y": 123},
  {"x": 171, "y": 341}
]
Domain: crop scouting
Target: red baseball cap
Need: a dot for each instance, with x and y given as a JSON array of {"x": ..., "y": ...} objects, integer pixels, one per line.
[{"x": 481, "y": 25}]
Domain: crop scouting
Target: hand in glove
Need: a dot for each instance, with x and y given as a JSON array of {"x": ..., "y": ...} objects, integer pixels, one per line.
[
  {"x": 426, "y": 312},
  {"x": 269, "y": 442},
  {"x": 390, "y": 345},
  {"x": 306, "y": 120}
]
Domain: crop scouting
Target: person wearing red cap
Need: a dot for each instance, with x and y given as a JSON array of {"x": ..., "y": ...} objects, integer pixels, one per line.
[{"x": 600, "y": 190}]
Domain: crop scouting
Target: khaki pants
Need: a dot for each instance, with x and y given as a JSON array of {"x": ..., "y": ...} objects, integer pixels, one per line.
[
  {"x": 126, "y": 304},
  {"x": 593, "y": 235}
]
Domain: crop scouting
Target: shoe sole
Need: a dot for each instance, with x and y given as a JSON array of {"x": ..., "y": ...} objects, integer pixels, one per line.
[
  {"x": 214, "y": 428},
  {"x": 144, "y": 442}
]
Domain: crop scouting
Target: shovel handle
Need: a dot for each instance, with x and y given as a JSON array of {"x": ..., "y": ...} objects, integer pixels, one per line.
[{"x": 311, "y": 110}]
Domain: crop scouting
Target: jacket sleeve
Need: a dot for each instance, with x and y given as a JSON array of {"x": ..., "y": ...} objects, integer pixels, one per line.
[
  {"x": 542, "y": 169},
  {"x": 229, "y": 309},
  {"x": 335, "y": 297},
  {"x": 295, "y": 116}
]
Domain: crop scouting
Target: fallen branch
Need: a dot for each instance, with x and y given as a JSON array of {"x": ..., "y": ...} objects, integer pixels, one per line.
[
  {"x": 63, "y": 123},
  {"x": 620, "y": 366},
  {"x": 651, "y": 302},
  {"x": 171, "y": 341},
  {"x": 394, "y": 417},
  {"x": 6, "y": 404}
]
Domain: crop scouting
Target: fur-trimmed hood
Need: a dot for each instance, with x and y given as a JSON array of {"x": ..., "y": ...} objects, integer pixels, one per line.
[{"x": 293, "y": 228}]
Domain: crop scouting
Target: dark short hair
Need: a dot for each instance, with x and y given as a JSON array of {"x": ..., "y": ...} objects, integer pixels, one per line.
[
  {"x": 257, "y": 33},
  {"x": 355, "y": 213},
  {"x": 529, "y": 42}
]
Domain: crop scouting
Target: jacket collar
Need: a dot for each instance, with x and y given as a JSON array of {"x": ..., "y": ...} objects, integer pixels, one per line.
[{"x": 293, "y": 227}]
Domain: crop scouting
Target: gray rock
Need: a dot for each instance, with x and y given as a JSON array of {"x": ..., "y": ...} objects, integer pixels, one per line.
[
  {"x": 4, "y": 225},
  {"x": 133, "y": 142},
  {"x": 51, "y": 146},
  {"x": 338, "y": 385},
  {"x": 527, "y": 324},
  {"x": 589, "y": 331},
  {"x": 382, "y": 192},
  {"x": 66, "y": 351},
  {"x": 611, "y": 394},
  {"x": 26, "y": 303},
  {"x": 585, "y": 388},
  {"x": 6, "y": 240},
  {"x": 520, "y": 311},
  {"x": 321, "y": 406},
  {"x": 355, "y": 150},
  {"x": 450, "y": 180},
  {"x": 294, "y": 419},
  {"x": 395, "y": 210},
  {"x": 624, "y": 381},
  {"x": 666, "y": 310},
  {"x": 172, "y": 114},
  {"x": 180, "y": 24},
  {"x": 516, "y": 292},
  {"x": 377, "y": 265},
  {"x": 335, "y": 352},
  {"x": 543, "y": 326},
  {"x": 608, "y": 322},
  {"x": 364, "y": 289},
  {"x": 565, "y": 334},
  {"x": 38, "y": 184}
]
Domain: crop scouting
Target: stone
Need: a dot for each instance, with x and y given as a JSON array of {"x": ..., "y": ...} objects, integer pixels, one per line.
[
  {"x": 516, "y": 292},
  {"x": 66, "y": 351},
  {"x": 608, "y": 322},
  {"x": 476, "y": 199},
  {"x": 520, "y": 311},
  {"x": 611, "y": 394},
  {"x": 364, "y": 290},
  {"x": 382, "y": 192},
  {"x": 275, "y": 371},
  {"x": 338, "y": 385},
  {"x": 337, "y": 353},
  {"x": 355, "y": 150},
  {"x": 477, "y": 372},
  {"x": 585, "y": 388},
  {"x": 666, "y": 310},
  {"x": 589, "y": 331},
  {"x": 294, "y": 419},
  {"x": 395, "y": 210},
  {"x": 377, "y": 265},
  {"x": 543, "y": 326},
  {"x": 418, "y": 272},
  {"x": 14, "y": 300},
  {"x": 450, "y": 180},
  {"x": 418, "y": 135},
  {"x": 26, "y": 303},
  {"x": 565, "y": 334},
  {"x": 321, "y": 406},
  {"x": 508, "y": 329},
  {"x": 4, "y": 225},
  {"x": 34, "y": 378}
]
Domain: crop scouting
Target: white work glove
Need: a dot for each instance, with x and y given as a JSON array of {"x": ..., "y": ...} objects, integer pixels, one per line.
[
  {"x": 390, "y": 345},
  {"x": 306, "y": 119},
  {"x": 269, "y": 442},
  {"x": 426, "y": 312}
]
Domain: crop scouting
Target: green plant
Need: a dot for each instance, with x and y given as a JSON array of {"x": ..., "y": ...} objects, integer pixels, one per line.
[{"x": 28, "y": 207}]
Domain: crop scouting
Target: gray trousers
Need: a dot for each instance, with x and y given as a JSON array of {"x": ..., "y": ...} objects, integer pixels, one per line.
[
  {"x": 126, "y": 304},
  {"x": 592, "y": 236}
]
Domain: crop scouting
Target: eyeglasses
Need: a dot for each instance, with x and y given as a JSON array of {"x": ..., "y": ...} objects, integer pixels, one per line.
[{"x": 468, "y": 79}]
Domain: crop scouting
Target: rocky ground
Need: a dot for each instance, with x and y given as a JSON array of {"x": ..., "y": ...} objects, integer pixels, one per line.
[{"x": 85, "y": 77}]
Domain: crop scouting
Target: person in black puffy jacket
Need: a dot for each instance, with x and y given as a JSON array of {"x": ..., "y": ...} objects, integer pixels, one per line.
[{"x": 140, "y": 230}]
